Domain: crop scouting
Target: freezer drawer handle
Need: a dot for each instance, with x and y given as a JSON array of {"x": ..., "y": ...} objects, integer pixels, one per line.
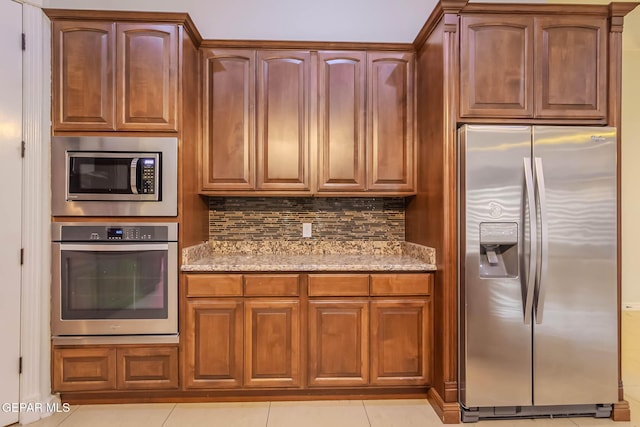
[
  {"x": 531, "y": 277},
  {"x": 544, "y": 239}
]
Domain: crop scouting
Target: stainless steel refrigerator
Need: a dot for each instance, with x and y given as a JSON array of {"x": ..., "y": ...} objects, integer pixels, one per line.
[{"x": 538, "y": 271}]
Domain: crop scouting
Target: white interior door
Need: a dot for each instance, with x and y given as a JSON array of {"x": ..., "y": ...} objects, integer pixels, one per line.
[{"x": 11, "y": 205}]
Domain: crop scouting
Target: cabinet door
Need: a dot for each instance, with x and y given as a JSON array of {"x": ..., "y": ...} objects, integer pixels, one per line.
[
  {"x": 147, "y": 368},
  {"x": 400, "y": 341},
  {"x": 272, "y": 343},
  {"x": 213, "y": 344},
  {"x": 147, "y": 77},
  {"x": 84, "y": 369},
  {"x": 283, "y": 120},
  {"x": 341, "y": 119},
  {"x": 338, "y": 342},
  {"x": 83, "y": 75},
  {"x": 571, "y": 65},
  {"x": 390, "y": 126},
  {"x": 496, "y": 66},
  {"x": 228, "y": 146}
]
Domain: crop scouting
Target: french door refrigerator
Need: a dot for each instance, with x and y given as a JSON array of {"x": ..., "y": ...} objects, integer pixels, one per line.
[{"x": 538, "y": 271}]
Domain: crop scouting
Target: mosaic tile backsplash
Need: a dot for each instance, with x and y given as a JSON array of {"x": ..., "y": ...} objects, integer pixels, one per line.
[{"x": 281, "y": 218}]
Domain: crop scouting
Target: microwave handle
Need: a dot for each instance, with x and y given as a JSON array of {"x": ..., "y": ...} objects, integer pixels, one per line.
[{"x": 133, "y": 175}]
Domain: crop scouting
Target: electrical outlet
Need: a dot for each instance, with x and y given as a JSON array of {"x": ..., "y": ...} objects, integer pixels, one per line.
[{"x": 306, "y": 229}]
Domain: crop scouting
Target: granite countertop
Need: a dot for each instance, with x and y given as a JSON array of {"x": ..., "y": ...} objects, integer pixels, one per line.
[{"x": 308, "y": 256}]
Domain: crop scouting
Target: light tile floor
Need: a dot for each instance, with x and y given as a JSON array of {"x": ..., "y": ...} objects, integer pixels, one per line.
[{"x": 351, "y": 413}]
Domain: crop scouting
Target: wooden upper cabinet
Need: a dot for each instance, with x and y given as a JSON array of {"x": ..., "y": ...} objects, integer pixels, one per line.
[
  {"x": 496, "y": 66},
  {"x": 283, "y": 120},
  {"x": 228, "y": 145},
  {"x": 341, "y": 121},
  {"x": 147, "y": 76},
  {"x": 115, "y": 76},
  {"x": 535, "y": 67},
  {"x": 571, "y": 66},
  {"x": 83, "y": 75},
  {"x": 390, "y": 124}
]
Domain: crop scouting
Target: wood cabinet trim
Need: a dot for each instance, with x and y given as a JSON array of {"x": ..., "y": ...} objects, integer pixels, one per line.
[
  {"x": 401, "y": 284},
  {"x": 340, "y": 285},
  {"x": 213, "y": 285},
  {"x": 264, "y": 285}
]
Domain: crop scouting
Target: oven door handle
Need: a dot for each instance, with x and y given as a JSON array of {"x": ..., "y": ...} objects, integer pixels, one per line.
[{"x": 117, "y": 247}]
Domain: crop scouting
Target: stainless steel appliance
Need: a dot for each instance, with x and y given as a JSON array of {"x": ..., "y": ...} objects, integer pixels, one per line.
[
  {"x": 538, "y": 271},
  {"x": 114, "y": 176},
  {"x": 114, "y": 280}
]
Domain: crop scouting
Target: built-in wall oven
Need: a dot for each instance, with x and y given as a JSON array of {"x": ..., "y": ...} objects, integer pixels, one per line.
[
  {"x": 116, "y": 280},
  {"x": 114, "y": 176}
]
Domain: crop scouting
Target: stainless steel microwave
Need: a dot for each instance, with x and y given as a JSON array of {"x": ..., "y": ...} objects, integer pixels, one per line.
[{"x": 114, "y": 176}]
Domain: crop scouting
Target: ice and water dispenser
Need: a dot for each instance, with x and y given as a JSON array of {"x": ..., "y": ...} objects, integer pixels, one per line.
[{"x": 498, "y": 249}]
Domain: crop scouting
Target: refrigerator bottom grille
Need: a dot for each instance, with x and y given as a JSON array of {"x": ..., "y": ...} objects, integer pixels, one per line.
[{"x": 472, "y": 415}]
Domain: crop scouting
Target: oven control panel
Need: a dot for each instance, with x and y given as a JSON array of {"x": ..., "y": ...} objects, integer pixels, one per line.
[{"x": 118, "y": 233}]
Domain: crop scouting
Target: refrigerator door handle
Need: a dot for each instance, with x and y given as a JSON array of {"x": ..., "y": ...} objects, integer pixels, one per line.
[
  {"x": 533, "y": 241},
  {"x": 544, "y": 239}
]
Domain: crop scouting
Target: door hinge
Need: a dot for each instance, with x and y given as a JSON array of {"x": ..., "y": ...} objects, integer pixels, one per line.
[
  {"x": 23, "y": 149},
  {"x": 21, "y": 256},
  {"x": 20, "y": 365},
  {"x": 24, "y": 41}
]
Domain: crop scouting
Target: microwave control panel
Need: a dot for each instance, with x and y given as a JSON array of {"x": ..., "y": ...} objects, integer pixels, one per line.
[{"x": 148, "y": 176}]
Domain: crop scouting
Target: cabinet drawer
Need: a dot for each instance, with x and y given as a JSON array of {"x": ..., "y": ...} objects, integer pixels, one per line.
[
  {"x": 401, "y": 284},
  {"x": 324, "y": 285},
  {"x": 214, "y": 285},
  {"x": 83, "y": 369},
  {"x": 265, "y": 285},
  {"x": 141, "y": 368}
]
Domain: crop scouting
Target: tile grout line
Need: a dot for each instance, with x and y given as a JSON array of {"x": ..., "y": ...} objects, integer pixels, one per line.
[
  {"x": 268, "y": 413},
  {"x": 69, "y": 416},
  {"x": 366, "y": 414},
  {"x": 169, "y": 414}
]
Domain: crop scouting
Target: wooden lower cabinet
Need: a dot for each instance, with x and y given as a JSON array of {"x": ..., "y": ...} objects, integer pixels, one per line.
[
  {"x": 307, "y": 331},
  {"x": 338, "y": 342},
  {"x": 400, "y": 341},
  {"x": 272, "y": 343},
  {"x": 213, "y": 343},
  {"x": 104, "y": 368}
]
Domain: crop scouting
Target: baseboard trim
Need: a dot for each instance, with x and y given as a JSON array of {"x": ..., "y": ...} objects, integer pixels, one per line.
[
  {"x": 449, "y": 413},
  {"x": 621, "y": 411}
]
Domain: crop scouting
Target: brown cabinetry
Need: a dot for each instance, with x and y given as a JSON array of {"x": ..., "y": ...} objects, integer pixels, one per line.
[
  {"x": 542, "y": 67},
  {"x": 338, "y": 342},
  {"x": 283, "y": 93},
  {"x": 228, "y": 147},
  {"x": 400, "y": 346},
  {"x": 233, "y": 342},
  {"x": 119, "y": 367},
  {"x": 390, "y": 124},
  {"x": 571, "y": 67},
  {"x": 263, "y": 110},
  {"x": 111, "y": 76},
  {"x": 213, "y": 334},
  {"x": 341, "y": 120},
  {"x": 272, "y": 343},
  {"x": 257, "y": 331},
  {"x": 383, "y": 340}
]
